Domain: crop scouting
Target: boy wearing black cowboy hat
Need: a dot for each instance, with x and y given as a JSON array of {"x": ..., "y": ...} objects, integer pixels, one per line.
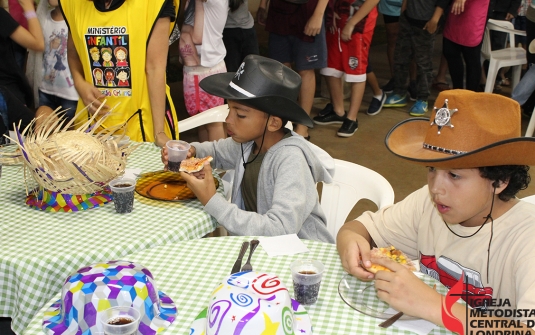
[
  {"x": 276, "y": 171},
  {"x": 466, "y": 223}
]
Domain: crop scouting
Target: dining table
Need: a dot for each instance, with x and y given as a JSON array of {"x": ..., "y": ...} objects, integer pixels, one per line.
[
  {"x": 37, "y": 248},
  {"x": 189, "y": 271}
]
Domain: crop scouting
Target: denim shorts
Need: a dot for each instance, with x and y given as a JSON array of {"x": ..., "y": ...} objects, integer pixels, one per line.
[{"x": 53, "y": 101}]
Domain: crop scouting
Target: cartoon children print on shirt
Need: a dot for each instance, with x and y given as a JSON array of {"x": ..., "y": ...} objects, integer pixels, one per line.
[
  {"x": 120, "y": 55},
  {"x": 122, "y": 73},
  {"x": 108, "y": 55},
  {"x": 55, "y": 58},
  {"x": 110, "y": 76},
  {"x": 98, "y": 77}
]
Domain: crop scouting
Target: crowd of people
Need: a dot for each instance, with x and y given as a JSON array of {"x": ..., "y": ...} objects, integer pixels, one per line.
[{"x": 477, "y": 160}]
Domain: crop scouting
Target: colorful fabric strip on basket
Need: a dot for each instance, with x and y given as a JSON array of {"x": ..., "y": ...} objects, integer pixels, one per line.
[{"x": 50, "y": 201}]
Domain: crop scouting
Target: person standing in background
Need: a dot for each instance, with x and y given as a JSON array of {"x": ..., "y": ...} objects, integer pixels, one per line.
[
  {"x": 145, "y": 104},
  {"x": 239, "y": 35}
]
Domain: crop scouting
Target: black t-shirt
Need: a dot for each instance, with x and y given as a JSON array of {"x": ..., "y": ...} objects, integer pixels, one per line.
[
  {"x": 11, "y": 76},
  {"x": 168, "y": 9}
]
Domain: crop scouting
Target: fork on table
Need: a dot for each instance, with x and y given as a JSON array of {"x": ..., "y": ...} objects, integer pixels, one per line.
[{"x": 248, "y": 266}]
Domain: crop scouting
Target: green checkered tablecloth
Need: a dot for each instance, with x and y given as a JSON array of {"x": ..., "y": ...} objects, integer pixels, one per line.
[
  {"x": 38, "y": 249},
  {"x": 189, "y": 271}
]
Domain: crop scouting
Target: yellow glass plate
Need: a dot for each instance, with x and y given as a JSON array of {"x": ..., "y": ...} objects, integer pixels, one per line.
[{"x": 165, "y": 185}]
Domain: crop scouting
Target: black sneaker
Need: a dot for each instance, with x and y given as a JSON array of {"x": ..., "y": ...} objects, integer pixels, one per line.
[
  {"x": 329, "y": 118},
  {"x": 376, "y": 105},
  {"x": 389, "y": 87},
  {"x": 413, "y": 91},
  {"x": 326, "y": 110},
  {"x": 348, "y": 128}
]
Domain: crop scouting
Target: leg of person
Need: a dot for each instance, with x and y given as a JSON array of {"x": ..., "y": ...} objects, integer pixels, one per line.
[
  {"x": 472, "y": 59},
  {"x": 379, "y": 97},
  {"x": 392, "y": 30},
  {"x": 309, "y": 56},
  {"x": 334, "y": 112},
  {"x": 232, "y": 41},
  {"x": 188, "y": 52},
  {"x": 68, "y": 108},
  {"x": 525, "y": 87},
  {"x": 423, "y": 43},
  {"x": 439, "y": 82},
  {"x": 249, "y": 43},
  {"x": 403, "y": 57},
  {"x": 452, "y": 53},
  {"x": 351, "y": 124}
]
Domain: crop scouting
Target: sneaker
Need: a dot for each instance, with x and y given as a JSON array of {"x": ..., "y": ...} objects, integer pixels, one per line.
[
  {"x": 376, "y": 105},
  {"x": 389, "y": 87},
  {"x": 396, "y": 100},
  {"x": 419, "y": 108},
  {"x": 413, "y": 91},
  {"x": 348, "y": 128},
  {"x": 330, "y": 118},
  {"x": 326, "y": 110}
]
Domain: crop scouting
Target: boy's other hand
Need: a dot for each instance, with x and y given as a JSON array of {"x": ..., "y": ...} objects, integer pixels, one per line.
[
  {"x": 201, "y": 183},
  {"x": 404, "y": 291},
  {"x": 164, "y": 157},
  {"x": 355, "y": 257}
]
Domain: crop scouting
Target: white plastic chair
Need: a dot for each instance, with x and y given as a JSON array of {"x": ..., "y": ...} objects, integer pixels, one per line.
[
  {"x": 513, "y": 56},
  {"x": 351, "y": 183},
  {"x": 529, "y": 198}
]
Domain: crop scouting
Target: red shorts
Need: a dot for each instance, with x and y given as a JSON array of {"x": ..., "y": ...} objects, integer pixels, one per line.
[{"x": 350, "y": 57}]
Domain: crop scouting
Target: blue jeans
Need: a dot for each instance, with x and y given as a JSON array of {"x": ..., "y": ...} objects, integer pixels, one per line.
[
  {"x": 525, "y": 87},
  {"x": 53, "y": 101}
]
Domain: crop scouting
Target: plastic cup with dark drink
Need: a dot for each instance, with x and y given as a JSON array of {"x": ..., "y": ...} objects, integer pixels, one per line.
[
  {"x": 122, "y": 191},
  {"x": 177, "y": 151},
  {"x": 120, "y": 320},
  {"x": 306, "y": 276}
]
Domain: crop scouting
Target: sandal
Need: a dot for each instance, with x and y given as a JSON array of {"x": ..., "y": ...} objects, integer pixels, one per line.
[
  {"x": 441, "y": 86},
  {"x": 505, "y": 82}
]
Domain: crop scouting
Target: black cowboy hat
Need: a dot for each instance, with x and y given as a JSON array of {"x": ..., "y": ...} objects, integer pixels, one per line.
[{"x": 264, "y": 84}]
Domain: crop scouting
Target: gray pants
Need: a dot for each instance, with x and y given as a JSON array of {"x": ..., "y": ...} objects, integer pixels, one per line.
[{"x": 417, "y": 43}]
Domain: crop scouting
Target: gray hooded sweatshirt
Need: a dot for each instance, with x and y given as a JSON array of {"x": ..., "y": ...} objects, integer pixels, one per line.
[{"x": 287, "y": 199}]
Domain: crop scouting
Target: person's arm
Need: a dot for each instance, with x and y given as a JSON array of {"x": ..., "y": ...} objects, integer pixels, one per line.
[
  {"x": 33, "y": 37},
  {"x": 431, "y": 25},
  {"x": 261, "y": 13},
  {"x": 353, "y": 243},
  {"x": 89, "y": 94},
  {"x": 314, "y": 23},
  {"x": 457, "y": 7},
  {"x": 364, "y": 10},
  {"x": 157, "y": 50},
  {"x": 405, "y": 292},
  {"x": 198, "y": 26},
  {"x": 512, "y": 11}
]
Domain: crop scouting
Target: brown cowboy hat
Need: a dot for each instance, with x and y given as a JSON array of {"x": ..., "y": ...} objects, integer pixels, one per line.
[{"x": 466, "y": 130}]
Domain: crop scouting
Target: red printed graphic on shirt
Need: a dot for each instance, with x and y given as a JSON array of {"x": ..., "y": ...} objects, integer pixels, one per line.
[
  {"x": 448, "y": 272},
  {"x": 109, "y": 56}
]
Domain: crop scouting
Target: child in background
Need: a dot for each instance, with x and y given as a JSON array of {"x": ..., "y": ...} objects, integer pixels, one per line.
[
  {"x": 418, "y": 25},
  {"x": 56, "y": 86},
  {"x": 239, "y": 34},
  {"x": 351, "y": 26},
  {"x": 203, "y": 51},
  {"x": 274, "y": 191}
]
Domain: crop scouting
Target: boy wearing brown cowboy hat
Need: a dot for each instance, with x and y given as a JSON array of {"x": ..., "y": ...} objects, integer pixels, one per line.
[
  {"x": 276, "y": 171},
  {"x": 466, "y": 223}
]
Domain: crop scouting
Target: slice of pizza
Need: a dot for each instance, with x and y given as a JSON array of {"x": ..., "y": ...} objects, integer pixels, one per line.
[
  {"x": 194, "y": 164},
  {"x": 392, "y": 253}
]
